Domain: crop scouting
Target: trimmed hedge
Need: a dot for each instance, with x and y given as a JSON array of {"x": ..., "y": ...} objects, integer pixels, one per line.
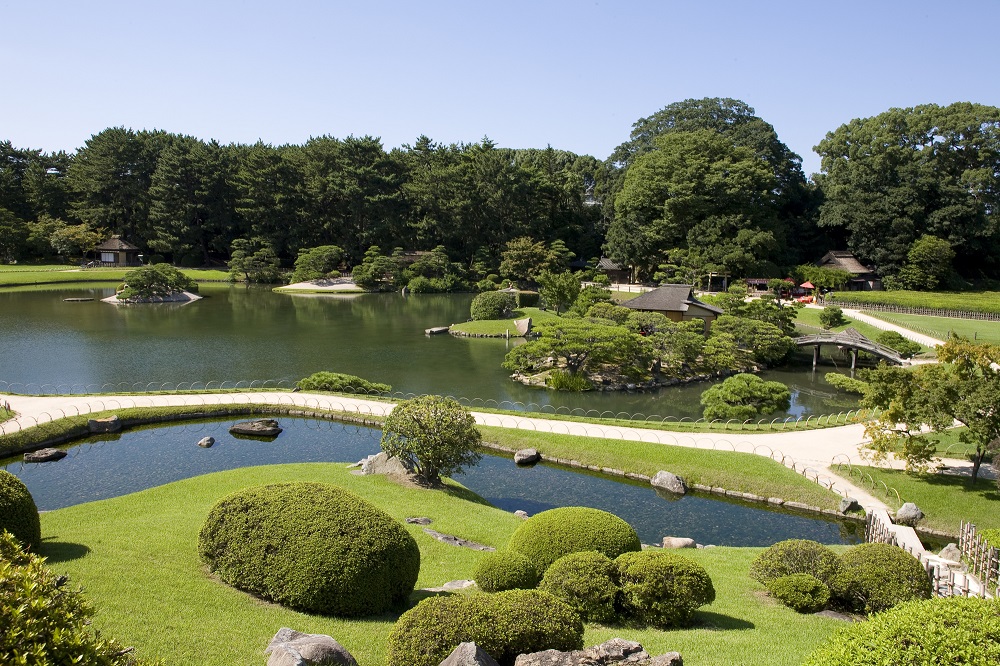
[
  {"x": 18, "y": 513},
  {"x": 874, "y": 577},
  {"x": 663, "y": 589},
  {"x": 492, "y": 305},
  {"x": 547, "y": 536},
  {"x": 956, "y": 630},
  {"x": 505, "y": 570},
  {"x": 795, "y": 556},
  {"x": 313, "y": 547},
  {"x": 800, "y": 592},
  {"x": 587, "y": 581},
  {"x": 335, "y": 381},
  {"x": 504, "y": 624}
]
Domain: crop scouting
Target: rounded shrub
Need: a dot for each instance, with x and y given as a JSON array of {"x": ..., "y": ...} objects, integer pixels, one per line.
[
  {"x": 18, "y": 513},
  {"x": 492, "y": 305},
  {"x": 795, "y": 556},
  {"x": 587, "y": 581},
  {"x": 662, "y": 589},
  {"x": 874, "y": 577},
  {"x": 528, "y": 299},
  {"x": 313, "y": 547},
  {"x": 955, "y": 630},
  {"x": 505, "y": 570},
  {"x": 547, "y": 536},
  {"x": 504, "y": 625},
  {"x": 801, "y": 592}
]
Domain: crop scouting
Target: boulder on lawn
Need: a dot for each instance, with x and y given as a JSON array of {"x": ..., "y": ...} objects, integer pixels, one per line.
[
  {"x": 669, "y": 482},
  {"x": 679, "y": 542},
  {"x": 469, "y": 654},
  {"x": 258, "y": 428},
  {"x": 527, "y": 457},
  {"x": 44, "y": 455},
  {"x": 383, "y": 463},
  {"x": 107, "y": 424},
  {"x": 614, "y": 651},
  {"x": 206, "y": 442},
  {"x": 294, "y": 648},
  {"x": 848, "y": 504},
  {"x": 909, "y": 514}
]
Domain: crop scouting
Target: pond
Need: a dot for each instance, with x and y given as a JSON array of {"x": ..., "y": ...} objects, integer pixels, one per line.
[
  {"x": 238, "y": 333},
  {"x": 110, "y": 466}
]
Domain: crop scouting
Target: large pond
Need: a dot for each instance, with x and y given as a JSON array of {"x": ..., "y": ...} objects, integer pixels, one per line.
[
  {"x": 111, "y": 466},
  {"x": 245, "y": 334}
]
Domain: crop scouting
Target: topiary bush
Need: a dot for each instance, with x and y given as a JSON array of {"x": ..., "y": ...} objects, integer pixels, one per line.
[
  {"x": 505, "y": 570},
  {"x": 801, "y": 592},
  {"x": 547, "y": 536},
  {"x": 587, "y": 582},
  {"x": 795, "y": 556},
  {"x": 874, "y": 577},
  {"x": 492, "y": 305},
  {"x": 662, "y": 589},
  {"x": 335, "y": 381},
  {"x": 313, "y": 547},
  {"x": 956, "y": 630},
  {"x": 528, "y": 299},
  {"x": 18, "y": 513},
  {"x": 504, "y": 624}
]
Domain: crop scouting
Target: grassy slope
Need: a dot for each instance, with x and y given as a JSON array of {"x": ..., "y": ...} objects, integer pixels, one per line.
[
  {"x": 942, "y": 327},
  {"x": 137, "y": 558},
  {"x": 983, "y": 301},
  {"x": 500, "y": 326},
  {"x": 23, "y": 276}
]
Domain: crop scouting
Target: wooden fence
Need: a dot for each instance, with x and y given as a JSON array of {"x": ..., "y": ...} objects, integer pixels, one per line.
[
  {"x": 902, "y": 309},
  {"x": 984, "y": 559}
]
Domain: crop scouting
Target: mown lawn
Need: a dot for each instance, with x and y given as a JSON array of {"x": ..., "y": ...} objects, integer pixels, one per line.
[
  {"x": 500, "y": 327},
  {"x": 136, "y": 557},
  {"x": 981, "y": 301},
  {"x": 943, "y": 327},
  {"x": 18, "y": 276}
]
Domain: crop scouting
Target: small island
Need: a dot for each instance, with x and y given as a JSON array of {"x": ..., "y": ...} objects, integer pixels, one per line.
[{"x": 158, "y": 283}]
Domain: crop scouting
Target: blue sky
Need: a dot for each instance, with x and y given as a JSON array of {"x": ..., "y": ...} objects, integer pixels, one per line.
[{"x": 575, "y": 75}]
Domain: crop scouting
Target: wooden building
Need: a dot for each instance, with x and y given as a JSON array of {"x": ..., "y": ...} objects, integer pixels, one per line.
[
  {"x": 863, "y": 278},
  {"x": 117, "y": 253},
  {"x": 677, "y": 302}
]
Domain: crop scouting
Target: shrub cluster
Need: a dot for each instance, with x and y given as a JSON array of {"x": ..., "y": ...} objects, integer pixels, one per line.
[
  {"x": 505, "y": 570},
  {"x": 335, "y": 381},
  {"x": 528, "y": 299},
  {"x": 795, "y": 556},
  {"x": 587, "y": 581},
  {"x": 663, "y": 589},
  {"x": 801, "y": 592},
  {"x": 504, "y": 624},
  {"x": 562, "y": 380},
  {"x": 312, "y": 547},
  {"x": 955, "y": 630},
  {"x": 18, "y": 513},
  {"x": 436, "y": 285},
  {"x": 492, "y": 305},
  {"x": 44, "y": 620},
  {"x": 156, "y": 281},
  {"x": 893, "y": 339},
  {"x": 547, "y": 536},
  {"x": 874, "y": 577}
]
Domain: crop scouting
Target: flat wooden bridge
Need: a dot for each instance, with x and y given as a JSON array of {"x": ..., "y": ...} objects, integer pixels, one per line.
[{"x": 852, "y": 340}]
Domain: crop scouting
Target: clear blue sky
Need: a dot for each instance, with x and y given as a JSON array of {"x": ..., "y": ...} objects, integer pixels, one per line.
[{"x": 575, "y": 75}]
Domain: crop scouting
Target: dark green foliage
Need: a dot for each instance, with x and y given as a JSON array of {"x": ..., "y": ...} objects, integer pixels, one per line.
[
  {"x": 254, "y": 261},
  {"x": 492, "y": 305},
  {"x": 436, "y": 285},
  {"x": 845, "y": 383},
  {"x": 800, "y": 592},
  {"x": 558, "y": 290},
  {"x": 587, "y": 581},
  {"x": 874, "y": 577},
  {"x": 957, "y": 631},
  {"x": 795, "y": 556},
  {"x": 832, "y": 317},
  {"x": 560, "y": 380},
  {"x": 377, "y": 272},
  {"x": 608, "y": 310},
  {"x": 504, "y": 625},
  {"x": 317, "y": 262},
  {"x": 590, "y": 296},
  {"x": 547, "y": 536},
  {"x": 18, "y": 513},
  {"x": 155, "y": 281},
  {"x": 312, "y": 547},
  {"x": 906, "y": 348},
  {"x": 505, "y": 570},
  {"x": 335, "y": 381},
  {"x": 662, "y": 589},
  {"x": 434, "y": 436},
  {"x": 45, "y": 622},
  {"x": 155, "y": 259},
  {"x": 744, "y": 397},
  {"x": 191, "y": 261},
  {"x": 528, "y": 299}
]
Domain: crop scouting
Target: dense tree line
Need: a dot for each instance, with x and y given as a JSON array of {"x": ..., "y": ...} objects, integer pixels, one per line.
[{"x": 700, "y": 186}]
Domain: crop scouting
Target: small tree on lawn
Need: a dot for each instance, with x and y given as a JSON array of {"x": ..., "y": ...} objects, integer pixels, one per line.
[
  {"x": 832, "y": 317},
  {"x": 559, "y": 290},
  {"x": 255, "y": 260},
  {"x": 435, "y": 436},
  {"x": 744, "y": 397}
]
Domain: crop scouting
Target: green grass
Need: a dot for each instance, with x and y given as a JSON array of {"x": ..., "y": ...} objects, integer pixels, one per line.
[
  {"x": 946, "y": 500},
  {"x": 499, "y": 327},
  {"x": 20, "y": 276},
  {"x": 136, "y": 557},
  {"x": 743, "y": 472},
  {"x": 807, "y": 319},
  {"x": 982, "y": 301},
  {"x": 942, "y": 327}
]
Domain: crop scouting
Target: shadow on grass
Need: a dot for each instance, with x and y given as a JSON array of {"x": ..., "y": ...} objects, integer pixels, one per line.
[
  {"x": 720, "y": 622},
  {"x": 62, "y": 551},
  {"x": 461, "y": 493}
]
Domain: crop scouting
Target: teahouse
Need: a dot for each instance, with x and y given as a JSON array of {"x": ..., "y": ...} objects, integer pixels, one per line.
[
  {"x": 118, "y": 253},
  {"x": 675, "y": 301}
]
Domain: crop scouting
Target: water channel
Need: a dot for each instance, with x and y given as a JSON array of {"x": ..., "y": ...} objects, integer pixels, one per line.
[
  {"x": 239, "y": 333},
  {"x": 110, "y": 466}
]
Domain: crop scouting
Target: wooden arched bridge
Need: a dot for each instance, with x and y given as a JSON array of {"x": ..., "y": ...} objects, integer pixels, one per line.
[{"x": 852, "y": 340}]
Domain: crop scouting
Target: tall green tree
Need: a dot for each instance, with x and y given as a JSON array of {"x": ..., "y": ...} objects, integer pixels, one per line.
[
  {"x": 928, "y": 265},
  {"x": 559, "y": 290},
  {"x": 271, "y": 202}
]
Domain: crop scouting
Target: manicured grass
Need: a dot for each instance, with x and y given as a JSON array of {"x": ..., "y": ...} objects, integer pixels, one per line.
[
  {"x": 744, "y": 472},
  {"x": 622, "y": 296},
  {"x": 946, "y": 500},
  {"x": 136, "y": 557},
  {"x": 982, "y": 301},
  {"x": 500, "y": 327},
  {"x": 23, "y": 275},
  {"x": 943, "y": 327},
  {"x": 807, "y": 320}
]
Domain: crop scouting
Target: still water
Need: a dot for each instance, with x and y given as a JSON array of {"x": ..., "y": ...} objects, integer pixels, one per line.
[
  {"x": 238, "y": 333},
  {"x": 111, "y": 466}
]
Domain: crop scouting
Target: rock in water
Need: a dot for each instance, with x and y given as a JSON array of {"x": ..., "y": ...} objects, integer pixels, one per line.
[
  {"x": 294, "y": 648},
  {"x": 206, "y": 442},
  {"x": 670, "y": 482},
  {"x": 108, "y": 424},
  {"x": 258, "y": 428},
  {"x": 527, "y": 457},
  {"x": 44, "y": 455},
  {"x": 848, "y": 504}
]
